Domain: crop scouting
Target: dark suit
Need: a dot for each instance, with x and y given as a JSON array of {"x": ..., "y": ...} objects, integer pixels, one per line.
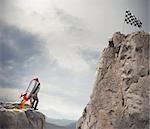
[{"x": 35, "y": 96}]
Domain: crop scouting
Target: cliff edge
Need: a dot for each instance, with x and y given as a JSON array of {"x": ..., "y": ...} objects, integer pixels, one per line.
[
  {"x": 120, "y": 97},
  {"x": 11, "y": 117}
]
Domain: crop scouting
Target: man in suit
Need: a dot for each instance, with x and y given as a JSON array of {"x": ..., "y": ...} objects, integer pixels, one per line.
[{"x": 34, "y": 94}]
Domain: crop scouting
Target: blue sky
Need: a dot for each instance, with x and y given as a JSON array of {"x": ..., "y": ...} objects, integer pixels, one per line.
[{"x": 58, "y": 41}]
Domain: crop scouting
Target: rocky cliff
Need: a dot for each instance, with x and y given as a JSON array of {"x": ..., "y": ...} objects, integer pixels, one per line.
[
  {"x": 11, "y": 117},
  {"x": 120, "y": 98}
]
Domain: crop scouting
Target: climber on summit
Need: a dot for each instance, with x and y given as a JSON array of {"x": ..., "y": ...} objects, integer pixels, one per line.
[{"x": 34, "y": 95}]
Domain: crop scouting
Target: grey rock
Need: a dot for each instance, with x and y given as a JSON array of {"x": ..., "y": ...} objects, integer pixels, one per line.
[
  {"x": 11, "y": 117},
  {"x": 120, "y": 96},
  {"x": 118, "y": 38}
]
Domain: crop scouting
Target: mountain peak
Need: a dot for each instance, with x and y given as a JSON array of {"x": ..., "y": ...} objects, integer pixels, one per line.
[{"x": 121, "y": 91}]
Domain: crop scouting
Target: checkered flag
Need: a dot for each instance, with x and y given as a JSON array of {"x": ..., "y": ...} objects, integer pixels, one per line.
[{"x": 132, "y": 20}]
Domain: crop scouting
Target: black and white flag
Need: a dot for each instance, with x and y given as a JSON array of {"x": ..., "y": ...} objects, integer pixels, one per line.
[{"x": 132, "y": 20}]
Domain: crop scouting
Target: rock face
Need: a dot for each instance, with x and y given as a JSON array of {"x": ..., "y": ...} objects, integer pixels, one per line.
[
  {"x": 13, "y": 118},
  {"x": 120, "y": 98}
]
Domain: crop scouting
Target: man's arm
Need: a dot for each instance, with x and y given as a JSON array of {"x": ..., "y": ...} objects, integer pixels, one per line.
[{"x": 36, "y": 91}]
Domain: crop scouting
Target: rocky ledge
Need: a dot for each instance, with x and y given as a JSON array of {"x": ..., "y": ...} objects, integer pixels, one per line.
[{"x": 11, "y": 117}]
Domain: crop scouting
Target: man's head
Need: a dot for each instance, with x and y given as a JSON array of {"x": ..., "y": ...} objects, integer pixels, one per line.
[{"x": 36, "y": 79}]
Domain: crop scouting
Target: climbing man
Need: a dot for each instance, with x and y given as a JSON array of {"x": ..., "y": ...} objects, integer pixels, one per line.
[{"x": 34, "y": 95}]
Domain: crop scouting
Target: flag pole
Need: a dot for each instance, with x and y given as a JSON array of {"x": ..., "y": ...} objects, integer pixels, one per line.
[
  {"x": 123, "y": 24},
  {"x": 141, "y": 28}
]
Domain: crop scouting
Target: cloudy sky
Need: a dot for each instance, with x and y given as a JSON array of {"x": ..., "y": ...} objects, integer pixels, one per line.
[{"x": 58, "y": 41}]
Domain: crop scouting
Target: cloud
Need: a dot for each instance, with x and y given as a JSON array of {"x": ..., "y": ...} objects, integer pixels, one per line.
[
  {"x": 90, "y": 56},
  {"x": 6, "y": 97},
  {"x": 73, "y": 25},
  {"x": 60, "y": 31},
  {"x": 21, "y": 53}
]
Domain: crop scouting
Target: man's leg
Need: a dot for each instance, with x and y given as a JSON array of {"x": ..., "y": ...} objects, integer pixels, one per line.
[
  {"x": 36, "y": 104},
  {"x": 37, "y": 101},
  {"x": 33, "y": 103}
]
